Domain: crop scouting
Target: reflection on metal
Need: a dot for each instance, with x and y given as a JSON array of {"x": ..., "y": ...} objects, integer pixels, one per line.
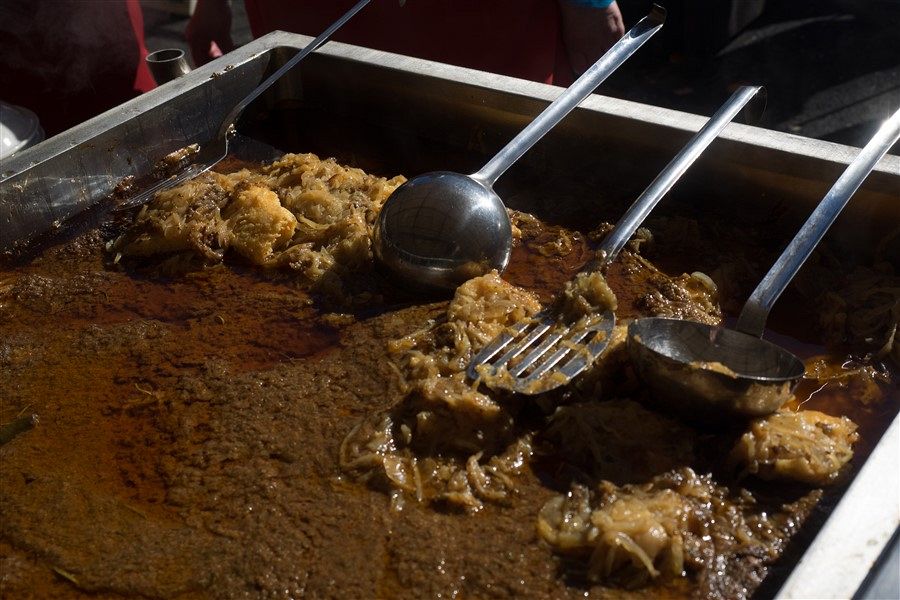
[
  {"x": 446, "y": 228},
  {"x": 216, "y": 150},
  {"x": 538, "y": 372},
  {"x": 682, "y": 363}
]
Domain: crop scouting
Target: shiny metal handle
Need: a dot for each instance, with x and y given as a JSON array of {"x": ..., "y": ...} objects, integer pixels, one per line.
[
  {"x": 573, "y": 96},
  {"x": 632, "y": 219},
  {"x": 753, "y": 317},
  {"x": 311, "y": 47}
]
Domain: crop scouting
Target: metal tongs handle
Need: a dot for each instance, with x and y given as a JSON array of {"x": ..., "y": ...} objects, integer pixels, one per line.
[
  {"x": 635, "y": 215},
  {"x": 573, "y": 96},
  {"x": 271, "y": 79},
  {"x": 752, "y": 319}
]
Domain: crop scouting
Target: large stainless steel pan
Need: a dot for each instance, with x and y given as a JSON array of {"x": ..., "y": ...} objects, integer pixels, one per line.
[{"x": 427, "y": 115}]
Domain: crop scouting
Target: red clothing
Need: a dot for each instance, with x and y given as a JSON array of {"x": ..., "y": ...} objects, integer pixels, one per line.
[
  {"x": 69, "y": 60},
  {"x": 143, "y": 79},
  {"x": 521, "y": 38}
]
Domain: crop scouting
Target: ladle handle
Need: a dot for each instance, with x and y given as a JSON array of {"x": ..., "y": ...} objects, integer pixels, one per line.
[
  {"x": 573, "y": 96},
  {"x": 309, "y": 48},
  {"x": 635, "y": 215},
  {"x": 752, "y": 319}
]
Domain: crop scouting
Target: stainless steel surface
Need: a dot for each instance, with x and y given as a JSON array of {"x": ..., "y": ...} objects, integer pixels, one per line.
[
  {"x": 214, "y": 151},
  {"x": 440, "y": 229},
  {"x": 314, "y": 45},
  {"x": 168, "y": 64},
  {"x": 703, "y": 371},
  {"x": 550, "y": 337},
  {"x": 411, "y": 103},
  {"x": 554, "y": 340},
  {"x": 884, "y": 580},
  {"x": 573, "y": 96}
]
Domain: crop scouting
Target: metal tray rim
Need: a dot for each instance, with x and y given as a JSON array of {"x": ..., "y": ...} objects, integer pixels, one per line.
[{"x": 679, "y": 120}]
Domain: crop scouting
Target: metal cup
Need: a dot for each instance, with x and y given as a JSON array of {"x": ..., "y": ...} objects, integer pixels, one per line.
[{"x": 167, "y": 64}]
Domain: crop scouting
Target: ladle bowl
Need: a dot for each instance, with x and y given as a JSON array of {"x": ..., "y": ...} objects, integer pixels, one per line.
[
  {"x": 712, "y": 372},
  {"x": 442, "y": 228}
]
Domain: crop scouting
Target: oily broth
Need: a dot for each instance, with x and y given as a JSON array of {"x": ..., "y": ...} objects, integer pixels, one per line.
[{"x": 101, "y": 354}]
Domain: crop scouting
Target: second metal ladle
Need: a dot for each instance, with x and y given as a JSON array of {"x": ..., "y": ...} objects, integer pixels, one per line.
[{"x": 707, "y": 372}]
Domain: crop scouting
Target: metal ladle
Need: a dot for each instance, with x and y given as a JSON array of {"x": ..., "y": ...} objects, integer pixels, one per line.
[
  {"x": 440, "y": 229},
  {"x": 710, "y": 373}
]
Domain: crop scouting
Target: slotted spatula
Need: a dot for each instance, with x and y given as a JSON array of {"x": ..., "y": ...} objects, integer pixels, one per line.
[
  {"x": 526, "y": 355},
  {"x": 217, "y": 149}
]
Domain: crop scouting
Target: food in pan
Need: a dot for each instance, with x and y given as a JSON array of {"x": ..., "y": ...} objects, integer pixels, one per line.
[
  {"x": 586, "y": 294},
  {"x": 806, "y": 445},
  {"x": 257, "y": 413},
  {"x": 312, "y": 216},
  {"x": 445, "y": 440},
  {"x": 674, "y": 525}
]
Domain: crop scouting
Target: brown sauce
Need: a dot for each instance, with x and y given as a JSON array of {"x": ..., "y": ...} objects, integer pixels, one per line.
[{"x": 188, "y": 437}]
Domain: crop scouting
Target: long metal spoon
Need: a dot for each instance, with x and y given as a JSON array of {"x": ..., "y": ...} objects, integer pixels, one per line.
[
  {"x": 440, "y": 229},
  {"x": 216, "y": 150},
  {"x": 713, "y": 373},
  {"x": 548, "y": 339}
]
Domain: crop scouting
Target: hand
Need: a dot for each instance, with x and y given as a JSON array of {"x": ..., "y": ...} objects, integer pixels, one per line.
[
  {"x": 588, "y": 32},
  {"x": 209, "y": 31}
]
